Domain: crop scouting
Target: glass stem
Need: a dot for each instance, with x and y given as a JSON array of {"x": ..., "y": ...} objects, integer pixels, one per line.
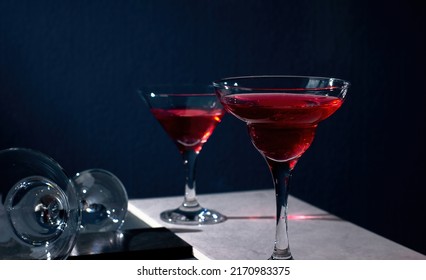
[
  {"x": 281, "y": 174},
  {"x": 190, "y": 200}
]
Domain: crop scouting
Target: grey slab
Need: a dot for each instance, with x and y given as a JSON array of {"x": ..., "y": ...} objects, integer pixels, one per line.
[{"x": 249, "y": 232}]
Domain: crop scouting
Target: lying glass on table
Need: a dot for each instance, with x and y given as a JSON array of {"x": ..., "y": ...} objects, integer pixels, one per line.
[
  {"x": 41, "y": 207},
  {"x": 40, "y": 211}
]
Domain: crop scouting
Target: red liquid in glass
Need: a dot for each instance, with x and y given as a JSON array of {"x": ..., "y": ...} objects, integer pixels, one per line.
[
  {"x": 189, "y": 128},
  {"x": 282, "y": 126}
]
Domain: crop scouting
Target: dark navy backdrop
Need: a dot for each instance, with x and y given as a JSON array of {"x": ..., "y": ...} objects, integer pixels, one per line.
[{"x": 69, "y": 71}]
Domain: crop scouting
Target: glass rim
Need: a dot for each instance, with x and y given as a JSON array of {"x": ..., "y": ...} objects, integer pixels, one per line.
[
  {"x": 33, "y": 152},
  {"x": 176, "y": 89},
  {"x": 221, "y": 82},
  {"x": 153, "y": 94}
]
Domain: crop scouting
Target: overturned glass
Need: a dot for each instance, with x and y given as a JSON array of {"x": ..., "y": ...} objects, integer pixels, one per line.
[
  {"x": 104, "y": 200},
  {"x": 42, "y": 210}
]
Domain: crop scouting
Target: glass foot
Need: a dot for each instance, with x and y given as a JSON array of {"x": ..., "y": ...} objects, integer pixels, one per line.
[
  {"x": 198, "y": 216},
  {"x": 281, "y": 255},
  {"x": 279, "y": 258}
]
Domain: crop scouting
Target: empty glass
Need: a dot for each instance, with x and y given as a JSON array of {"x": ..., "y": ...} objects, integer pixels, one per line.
[
  {"x": 39, "y": 208},
  {"x": 42, "y": 210},
  {"x": 104, "y": 200}
]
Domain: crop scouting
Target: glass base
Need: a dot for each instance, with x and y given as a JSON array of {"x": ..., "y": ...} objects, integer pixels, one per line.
[
  {"x": 280, "y": 258},
  {"x": 281, "y": 255},
  {"x": 197, "y": 216}
]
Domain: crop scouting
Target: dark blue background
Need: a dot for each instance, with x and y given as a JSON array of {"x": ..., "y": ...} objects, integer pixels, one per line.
[{"x": 69, "y": 71}]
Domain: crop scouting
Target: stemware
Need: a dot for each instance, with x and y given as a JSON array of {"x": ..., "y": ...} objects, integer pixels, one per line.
[
  {"x": 103, "y": 199},
  {"x": 39, "y": 208},
  {"x": 282, "y": 114},
  {"x": 42, "y": 210},
  {"x": 188, "y": 114}
]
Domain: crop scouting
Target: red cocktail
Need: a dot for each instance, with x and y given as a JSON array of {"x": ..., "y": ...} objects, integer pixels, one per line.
[
  {"x": 189, "y": 118},
  {"x": 282, "y": 114},
  {"x": 189, "y": 128},
  {"x": 281, "y": 125}
]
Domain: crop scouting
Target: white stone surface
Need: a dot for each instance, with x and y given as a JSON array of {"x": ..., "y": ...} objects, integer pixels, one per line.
[{"x": 249, "y": 232}]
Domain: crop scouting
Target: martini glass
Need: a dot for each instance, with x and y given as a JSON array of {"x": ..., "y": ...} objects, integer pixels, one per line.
[
  {"x": 103, "y": 199},
  {"x": 39, "y": 208},
  {"x": 188, "y": 114},
  {"x": 282, "y": 114}
]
